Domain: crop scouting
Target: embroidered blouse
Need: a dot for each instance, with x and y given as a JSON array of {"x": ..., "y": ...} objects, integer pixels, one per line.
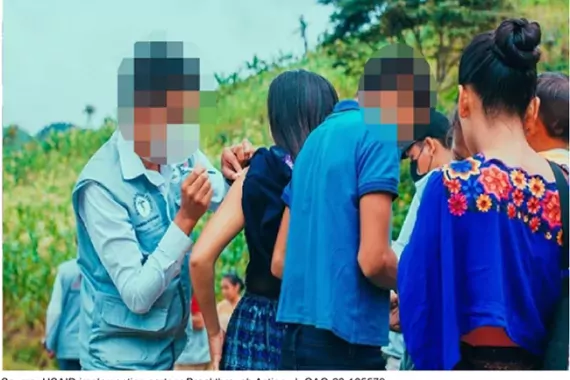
[{"x": 485, "y": 251}]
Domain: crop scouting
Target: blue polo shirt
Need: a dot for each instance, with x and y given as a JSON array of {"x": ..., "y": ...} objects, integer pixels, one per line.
[{"x": 323, "y": 285}]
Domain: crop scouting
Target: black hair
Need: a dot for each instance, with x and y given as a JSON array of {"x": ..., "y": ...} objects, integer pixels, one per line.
[
  {"x": 501, "y": 66},
  {"x": 552, "y": 89},
  {"x": 234, "y": 280},
  {"x": 298, "y": 101}
]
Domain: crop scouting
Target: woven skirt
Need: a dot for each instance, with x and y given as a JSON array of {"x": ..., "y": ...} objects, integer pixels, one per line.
[{"x": 253, "y": 338}]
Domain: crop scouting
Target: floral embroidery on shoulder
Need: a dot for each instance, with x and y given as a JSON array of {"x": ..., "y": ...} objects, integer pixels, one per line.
[
  {"x": 481, "y": 185},
  {"x": 462, "y": 169}
]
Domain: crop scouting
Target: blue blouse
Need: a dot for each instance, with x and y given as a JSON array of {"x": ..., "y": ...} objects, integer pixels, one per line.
[{"x": 485, "y": 251}]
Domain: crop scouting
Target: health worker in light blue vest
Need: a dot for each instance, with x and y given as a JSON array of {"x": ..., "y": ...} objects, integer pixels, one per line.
[
  {"x": 62, "y": 317},
  {"x": 136, "y": 203}
]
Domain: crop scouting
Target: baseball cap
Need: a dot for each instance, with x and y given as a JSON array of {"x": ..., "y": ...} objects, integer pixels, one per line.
[{"x": 437, "y": 128}]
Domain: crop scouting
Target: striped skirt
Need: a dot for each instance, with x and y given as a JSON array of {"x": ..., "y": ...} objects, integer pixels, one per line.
[{"x": 253, "y": 339}]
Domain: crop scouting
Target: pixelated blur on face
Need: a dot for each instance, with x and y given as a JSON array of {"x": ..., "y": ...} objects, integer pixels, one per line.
[
  {"x": 396, "y": 90},
  {"x": 160, "y": 102}
]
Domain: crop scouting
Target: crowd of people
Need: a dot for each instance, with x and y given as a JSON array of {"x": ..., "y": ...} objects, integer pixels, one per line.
[{"x": 477, "y": 278}]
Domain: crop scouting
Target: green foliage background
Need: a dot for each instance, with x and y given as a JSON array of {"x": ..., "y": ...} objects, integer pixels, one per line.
[{"x": 39, "y": 226}]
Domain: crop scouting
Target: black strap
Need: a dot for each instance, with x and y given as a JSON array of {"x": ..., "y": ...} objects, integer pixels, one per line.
[{"x": 562, "y": 185}]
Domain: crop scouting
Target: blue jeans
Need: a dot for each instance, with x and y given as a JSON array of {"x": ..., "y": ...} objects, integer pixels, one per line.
[
  {"x": 68, "y": 364},
  {"x": 308, "y": 348}
]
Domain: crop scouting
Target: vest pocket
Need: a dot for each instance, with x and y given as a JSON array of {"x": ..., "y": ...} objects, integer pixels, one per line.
[
  {"x": 122, "y": 340},
  {"x": 116, "y": 317}
]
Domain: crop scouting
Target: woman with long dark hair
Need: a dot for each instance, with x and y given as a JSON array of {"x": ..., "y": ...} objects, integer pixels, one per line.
[
  {"x": 298, "y": 101},
  {"x": 480, "y": 278},
  {"x": 232, "y": 288}
]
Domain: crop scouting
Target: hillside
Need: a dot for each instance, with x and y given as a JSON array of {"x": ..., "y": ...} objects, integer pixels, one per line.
[{"x": 38, "y": 222}]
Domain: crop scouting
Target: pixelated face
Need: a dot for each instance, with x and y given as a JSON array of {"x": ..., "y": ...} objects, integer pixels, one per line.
[
  {"x": 396, "y": 89},
  {"x": 160, "y": 101}
]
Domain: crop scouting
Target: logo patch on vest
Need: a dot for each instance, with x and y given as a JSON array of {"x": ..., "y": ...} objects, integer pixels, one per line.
[
  {"x": 143, "y": 205},
  {"x": 76, "y": 285},
  {"x": 176, "y": 174}
]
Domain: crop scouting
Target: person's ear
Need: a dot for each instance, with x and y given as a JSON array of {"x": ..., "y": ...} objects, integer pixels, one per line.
[
  {"x": 531, "y": 119},
  {"x": 463, "y": 102},
  {"x": 430, "y": 146}
]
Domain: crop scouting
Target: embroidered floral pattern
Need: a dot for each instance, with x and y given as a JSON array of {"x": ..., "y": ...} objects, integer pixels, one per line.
[
  {"x": 534, "y": 224},
  {"x": 484, "y": 203},
  {"x": 536, "y": 186},
  {"x": 511, "y": 210},
  {"x": 457, "y": 204},
  {"x": 480, "y": 185},
  {"x": 453, "y": 185},
  {"x": 464, "y": 169},
  {"x": 518, "y": 179},
  {"x": 518, "y": 197},
  {"x": 495, "y": 181},
  {"x": 533, "y": 205},
  {"x": 551, "y": 209}
]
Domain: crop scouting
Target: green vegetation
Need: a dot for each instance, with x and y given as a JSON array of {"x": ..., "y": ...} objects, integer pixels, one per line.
[
  {"x": 38, "y": 223},
  {"x": 14, "y": 137}
]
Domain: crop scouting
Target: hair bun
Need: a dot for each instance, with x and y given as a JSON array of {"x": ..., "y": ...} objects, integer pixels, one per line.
[{"x": 516, "y": 43}]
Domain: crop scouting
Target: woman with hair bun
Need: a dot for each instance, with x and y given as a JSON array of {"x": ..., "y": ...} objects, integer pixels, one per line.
[{"x": 480, "y": 278}]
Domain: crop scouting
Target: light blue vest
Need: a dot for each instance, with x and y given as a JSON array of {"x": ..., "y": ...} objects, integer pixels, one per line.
[
  {"x": 111, "y": 336},
  {"x": 197, "y": 349},
  {"x": 65, "y": 337}
]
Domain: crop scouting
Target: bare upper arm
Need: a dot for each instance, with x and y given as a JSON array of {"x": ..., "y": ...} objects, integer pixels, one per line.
[
  {"x": 375, "y": 221},
  {"x": 222, "y": 227},
  {"x": 280, "y": 248}
]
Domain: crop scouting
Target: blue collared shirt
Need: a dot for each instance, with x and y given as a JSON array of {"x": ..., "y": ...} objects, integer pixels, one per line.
[
  {"x": 341, "y": 161},
  {"x": 111, "y": 232}
]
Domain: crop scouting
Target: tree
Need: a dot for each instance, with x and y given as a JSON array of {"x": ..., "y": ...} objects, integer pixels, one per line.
[
  {"x": 303, "y": 32},
  {"x": 439, "y": 30},
  {"x": 109, "y": 121},
  {"x": 89, "y": 110}
]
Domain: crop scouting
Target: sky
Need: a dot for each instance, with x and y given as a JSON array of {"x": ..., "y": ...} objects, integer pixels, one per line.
[{"x": 60, "y": 55}]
